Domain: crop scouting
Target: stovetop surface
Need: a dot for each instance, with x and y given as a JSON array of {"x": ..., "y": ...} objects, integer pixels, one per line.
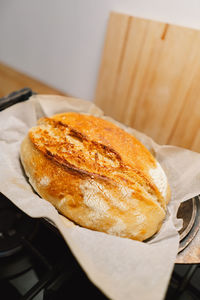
[{"x": 42, "y": 267}]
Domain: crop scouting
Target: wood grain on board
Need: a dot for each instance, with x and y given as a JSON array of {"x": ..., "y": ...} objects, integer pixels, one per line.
[{"x": 149, "y": 79}]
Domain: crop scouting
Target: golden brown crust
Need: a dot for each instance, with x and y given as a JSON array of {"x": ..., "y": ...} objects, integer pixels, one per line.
[{"x": 95, "y": 174}]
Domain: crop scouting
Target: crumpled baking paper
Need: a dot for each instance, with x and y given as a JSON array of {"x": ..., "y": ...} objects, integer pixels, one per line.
[{"x": 121, "y": 268}]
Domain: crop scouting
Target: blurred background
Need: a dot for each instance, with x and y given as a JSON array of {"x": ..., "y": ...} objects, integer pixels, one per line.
[
  {"x": 138, "y": 60},
  {"x": 60, "y": 43}
]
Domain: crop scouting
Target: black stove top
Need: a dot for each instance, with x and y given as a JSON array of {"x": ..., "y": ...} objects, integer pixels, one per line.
[
  {"x": 35, "y": 261},
  {"x": 37, "y": 264}
]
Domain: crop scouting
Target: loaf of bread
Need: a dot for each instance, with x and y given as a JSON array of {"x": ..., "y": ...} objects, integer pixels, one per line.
[{"x": 96, "y": 174}]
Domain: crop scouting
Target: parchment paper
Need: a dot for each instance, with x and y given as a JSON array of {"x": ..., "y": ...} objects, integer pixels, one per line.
[{"x": 121, "y": 268}]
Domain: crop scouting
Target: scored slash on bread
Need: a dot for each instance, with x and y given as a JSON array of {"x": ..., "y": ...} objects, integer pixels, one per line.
[{"x": 96, "y": 174}]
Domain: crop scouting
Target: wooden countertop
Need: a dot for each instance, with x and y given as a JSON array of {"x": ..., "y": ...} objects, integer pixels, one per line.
[{"x": 12, "y": 80}]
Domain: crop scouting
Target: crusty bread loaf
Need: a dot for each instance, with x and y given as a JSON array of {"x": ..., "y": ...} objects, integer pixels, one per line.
[{"x": 96, "y": 174}]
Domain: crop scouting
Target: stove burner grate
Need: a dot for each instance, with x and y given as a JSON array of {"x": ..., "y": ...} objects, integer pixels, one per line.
[
  {"x": 14, "y": 227},
  {"x": 189, "y": 212}
]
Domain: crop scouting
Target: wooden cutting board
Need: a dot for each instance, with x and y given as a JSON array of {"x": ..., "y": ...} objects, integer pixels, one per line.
[{"x": 149, "y": 79}]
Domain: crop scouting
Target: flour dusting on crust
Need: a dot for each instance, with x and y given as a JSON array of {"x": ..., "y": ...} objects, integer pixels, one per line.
[
  {"x": 159, "y": 178},
  {"x": 44, "y": 181}
]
